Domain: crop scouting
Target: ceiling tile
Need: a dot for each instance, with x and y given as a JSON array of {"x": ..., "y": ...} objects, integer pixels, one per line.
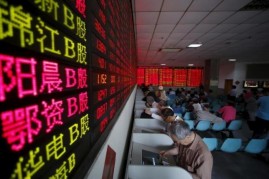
[
  {"x": 193, "y": 17},
  {"x": 240, "y": 17},
  {"x": 216, "y": 17},
  {"x": 259, "y": 18},
  {"x": 144, "y": 35},
  {"x": 145, "y": 28},
  {"x": 242, "y": 28},
  {"x": 164, "y": 28},
  {"x": 157, "y": 42},
  {"x": 184, "y": 43},
  {"x": 232, "y": 5},
  {"x": 180, "y": 28},
  {"x": 177, "y": 35},
  {"x": 170, "y": 43},
  {"x": 148, "y": 5},
  {"x": 226, "y": 36},
  {"x": 176, "y": 5},
  {"x": 207, "y": 37},
  {"x": 202, "y": 28},
  {"x": 146, "y": 18},
  {"x": 169, "y": 17},
  {"x": 192, "y": 36},
  {"x": 204, "y": 5},
  {"x": 155, "y": 47},
  {"x": 222, "y": 28},
  {"x": 263, "y": 28},
  {"x": 160, "y": 35}
]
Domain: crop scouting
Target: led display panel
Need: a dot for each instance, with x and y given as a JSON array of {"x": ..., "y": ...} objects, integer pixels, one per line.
[
  {"x": 66, "y": 70},
  {"x": 178, "y": 77}
]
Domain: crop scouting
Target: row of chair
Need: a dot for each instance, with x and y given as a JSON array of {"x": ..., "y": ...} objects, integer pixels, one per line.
[
  {"x": 230, "y": 145},
  {"x": 205, "y": 125}
]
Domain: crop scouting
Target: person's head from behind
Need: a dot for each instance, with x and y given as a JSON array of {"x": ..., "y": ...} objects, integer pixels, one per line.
[
  {"x": 230, "y": 103},
  {"x": 162, "y": 104},
  {"x": 179, "y": 131},
  {"x": 168, "y": 115}
]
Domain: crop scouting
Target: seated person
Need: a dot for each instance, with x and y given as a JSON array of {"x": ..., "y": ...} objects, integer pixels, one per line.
[
  {"x": 155, "y": 113},
  {"x": 150, "y": 102},
  {"x": 192, "y": 153},
  {"x": 166, "y": 114},
  {"x": 169, "y": 116},
  {"x": 228, "y": 112},
  {"x": 177, "y": 108},
  {"x": 206, "y": 115}
]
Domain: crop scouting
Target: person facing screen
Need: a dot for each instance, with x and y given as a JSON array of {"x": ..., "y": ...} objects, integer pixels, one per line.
[{"x": 192, "y": 153}]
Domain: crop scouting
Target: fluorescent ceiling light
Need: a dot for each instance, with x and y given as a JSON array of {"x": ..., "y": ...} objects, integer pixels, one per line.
[
  {"x": 170, "y": 49},
  {"x": 232, "y": 60},
  {"x": 195, "y": 45},
  {"x": 190, "y": 65},
  {"x": 163, "y": 64}
]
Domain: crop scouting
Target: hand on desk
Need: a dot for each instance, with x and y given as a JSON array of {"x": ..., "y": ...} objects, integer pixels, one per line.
[{"x": 162, "y": 153}]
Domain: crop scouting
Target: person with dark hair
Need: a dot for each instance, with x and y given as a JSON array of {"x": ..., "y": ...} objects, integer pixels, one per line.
[
  {"x": 164, "y": 112},
  {"x": 150, "y": 102},
  {"x": 168, "y": 115},
  {"x": 228, "y": 112},
  {"x": 192, "y": 153}
]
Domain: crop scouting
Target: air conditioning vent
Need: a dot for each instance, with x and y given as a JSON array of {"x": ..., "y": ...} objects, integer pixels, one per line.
[{"x": 256, "y": 5}]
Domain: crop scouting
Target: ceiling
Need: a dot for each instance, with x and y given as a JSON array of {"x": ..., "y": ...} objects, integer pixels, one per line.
[{"x": 224, "y": 27}]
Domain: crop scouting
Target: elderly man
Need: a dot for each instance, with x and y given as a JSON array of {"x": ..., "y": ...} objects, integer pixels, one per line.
[{"x": 192, "y": 153}]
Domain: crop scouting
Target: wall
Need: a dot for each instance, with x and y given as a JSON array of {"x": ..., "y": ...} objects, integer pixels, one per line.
[
  {"x": 226, "y": 71},
  {"x": 236, "y": 71},
  {"x": 117, "y": 140}
]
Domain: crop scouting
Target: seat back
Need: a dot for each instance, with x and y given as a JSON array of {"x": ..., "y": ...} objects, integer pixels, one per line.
[
  {"x": 235, "y": 125},
  {"x": 190, "y": 123},
  {"x": 187, "y": 116},
  {"x": 256, "y": 146},
  {"x": 219, "y": 126},
  {"x": 203, "y": 125},
  {"x": 231, "y": 145},
  {"x": 211, "y": 143}
]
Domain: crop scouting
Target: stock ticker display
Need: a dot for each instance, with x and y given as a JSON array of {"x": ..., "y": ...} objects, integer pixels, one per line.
[
  {"x": 66, "y": 70},
  {"x": 168, "y": 76}
]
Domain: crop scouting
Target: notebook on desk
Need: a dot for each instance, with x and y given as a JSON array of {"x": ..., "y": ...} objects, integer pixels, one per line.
[{"x": 152, "y": 158}]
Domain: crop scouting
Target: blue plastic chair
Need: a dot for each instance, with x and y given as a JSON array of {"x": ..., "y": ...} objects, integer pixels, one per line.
[
  {"x": 219, "y": 126},
  {"x": 256, "y": 146},
  {"x": 187, "y": 116},
  {"x": 203, "y": 125},
  {"x": 190, "y": 123},
  {"x": 231, "y": 145},
  {"x": 211, "y": 143},
  {"x": 235, "y": 125}
]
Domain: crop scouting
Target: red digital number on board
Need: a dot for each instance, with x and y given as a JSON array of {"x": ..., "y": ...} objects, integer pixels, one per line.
[
  {"x": 102, "y": 16},
  {"x": 103, "y": 124},
  {"x": 112, "y": 90},
  {"x": 103, "y": 3},
  {"x": 112, "y": 113},
  {"x": 112, "y": 79},
  {"x": 101, "y": 94},
  {"x": 101, "y": 79},
  {"x": 101, "y": 111},
  {"x": 100, "y": 46},
  {"x": 98, "y": 27},
  {"x": 112, "y": 102}
]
